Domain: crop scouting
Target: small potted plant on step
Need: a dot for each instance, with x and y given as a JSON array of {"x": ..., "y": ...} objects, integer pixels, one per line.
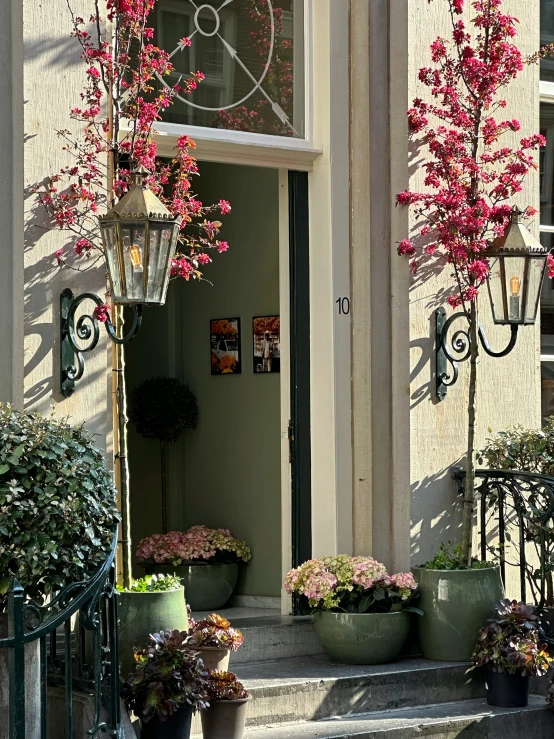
[
  {"x": 168, "y": 685},
  {"x": 361, "y": 612},
  {"x": 150, "y": 601},
  {"x": 226, "y": 716},
  {"x": 214, "y": 638},
  {"x": 206, "y": 560},
  {"x": 509, "y": 651}
]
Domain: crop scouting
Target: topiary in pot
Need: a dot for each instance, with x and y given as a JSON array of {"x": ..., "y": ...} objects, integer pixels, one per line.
[
  {"x": 162, "y": 408},
  {"x": 57, "y": 523}
]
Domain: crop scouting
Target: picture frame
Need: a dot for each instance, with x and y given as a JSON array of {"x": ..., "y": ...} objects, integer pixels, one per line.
[
  {"x": 266, "y": 340},
  {"x": 225, "y": 342}
]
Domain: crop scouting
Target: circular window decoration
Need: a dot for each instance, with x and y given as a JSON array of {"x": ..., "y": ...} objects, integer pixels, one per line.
[{"x": 216, "y": 31}]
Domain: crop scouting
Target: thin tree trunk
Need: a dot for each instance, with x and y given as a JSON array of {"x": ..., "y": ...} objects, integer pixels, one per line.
[
  {"x": 469, "y": 493},
  {"x": 125, "y": 540},
  {"x": 164, "y": 487}
]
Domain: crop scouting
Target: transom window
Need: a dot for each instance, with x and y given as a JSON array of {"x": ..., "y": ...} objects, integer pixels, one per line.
[{"x": 252, "y": 55}]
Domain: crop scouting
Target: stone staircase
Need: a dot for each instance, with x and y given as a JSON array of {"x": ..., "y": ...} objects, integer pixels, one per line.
[{"x": 297, "y": 693}]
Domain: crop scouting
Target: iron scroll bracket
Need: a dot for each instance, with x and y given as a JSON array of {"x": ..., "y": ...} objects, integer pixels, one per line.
[
  {"x": 85, "y": 329},
  {"x": 450, "y": 351}
]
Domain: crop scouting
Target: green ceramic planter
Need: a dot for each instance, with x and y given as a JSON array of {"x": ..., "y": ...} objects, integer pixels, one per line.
[
  {"x": 141, "y": 614},
  {"x": 455, "y": 604},
  {"x": 362, "y": 638},
  {"x": 207, "y": 587}
]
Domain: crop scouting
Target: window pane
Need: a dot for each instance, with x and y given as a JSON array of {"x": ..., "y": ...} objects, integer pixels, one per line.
[
  {"x": 547, "y": 239},
  {"x": 252, "y": 55},
  {"x": 547, "y": 37}
]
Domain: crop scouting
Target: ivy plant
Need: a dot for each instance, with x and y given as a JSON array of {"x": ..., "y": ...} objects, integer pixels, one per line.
[{"x": 57, "y": 504}]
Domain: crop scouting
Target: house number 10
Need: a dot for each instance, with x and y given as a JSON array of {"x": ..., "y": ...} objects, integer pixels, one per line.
[{"x": 343, "y": 306}]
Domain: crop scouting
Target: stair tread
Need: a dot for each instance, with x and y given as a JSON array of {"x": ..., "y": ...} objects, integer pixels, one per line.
[
  {"x": 456, "y": 714},
  {"x": 319, "y": 669}
]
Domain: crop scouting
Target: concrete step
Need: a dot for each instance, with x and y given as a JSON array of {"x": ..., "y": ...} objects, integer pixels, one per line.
[
  {"x": 471, "y": 719},
  {"x": 314, "y": 688},
  {"x": 272, "y": 636}
]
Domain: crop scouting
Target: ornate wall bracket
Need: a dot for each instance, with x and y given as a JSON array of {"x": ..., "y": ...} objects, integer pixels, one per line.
[
  {"x": 450, "y": 351},
  {"x": 86, "y": 329}
]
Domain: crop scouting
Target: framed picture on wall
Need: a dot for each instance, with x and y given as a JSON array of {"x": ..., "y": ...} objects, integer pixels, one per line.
[
  {"x": 225, "y": 346},
  {"x": 267, "y": 350}
]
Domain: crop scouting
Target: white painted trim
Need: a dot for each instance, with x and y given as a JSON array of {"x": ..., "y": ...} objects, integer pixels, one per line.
[
  {"x": 546, "y": 91},
  {"x": 284, "y": 302}
]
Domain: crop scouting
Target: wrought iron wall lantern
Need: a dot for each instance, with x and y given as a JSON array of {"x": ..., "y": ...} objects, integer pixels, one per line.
[
  {"x": 517, "y": 268},
  {"x": 139, "y": 237}
]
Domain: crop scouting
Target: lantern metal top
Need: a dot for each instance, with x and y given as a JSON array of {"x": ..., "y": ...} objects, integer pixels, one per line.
[
  {"x": 517, "y": 238},
  {"x": 139, "y": 203}
]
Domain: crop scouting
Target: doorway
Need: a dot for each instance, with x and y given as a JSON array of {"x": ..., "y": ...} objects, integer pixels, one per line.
[{"x": 233, "y": 471}]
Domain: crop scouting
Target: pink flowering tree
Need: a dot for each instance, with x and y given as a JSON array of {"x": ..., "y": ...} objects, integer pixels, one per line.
[
  {"x": 116, "y": 113},
  {"x": 114, "y": 118},
  {"x": 471, "y": 175}
]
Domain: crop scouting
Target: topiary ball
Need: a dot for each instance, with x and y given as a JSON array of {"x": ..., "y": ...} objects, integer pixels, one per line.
[
  {"x": 162, "y": 408},
  {"x": 57, "y": 504}
]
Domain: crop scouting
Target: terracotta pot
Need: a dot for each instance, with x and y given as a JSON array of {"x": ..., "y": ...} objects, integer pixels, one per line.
[
  {"x": 215, "y": 659},
  {"x": 225, "y": 719},
  {"x": 362, "y": 638}
]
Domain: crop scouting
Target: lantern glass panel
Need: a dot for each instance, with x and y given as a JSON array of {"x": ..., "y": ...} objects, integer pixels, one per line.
[
  {"x": 133, "y": 238},
  {"x": 162, "y": 248},
  {"x": 497, "y": 294},
  {"x": 536, "y": 268},
  {"x": 514, "y": 269},
  {"x": 109, "y": 237}
]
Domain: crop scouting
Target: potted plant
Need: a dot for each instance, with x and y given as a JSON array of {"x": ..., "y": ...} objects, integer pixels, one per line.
[
  {"x": 205, "y": 559},
  {"x": 226, "y": 716},
  {"x": 509, "y": 651},
  {"x": 58, "y": 519},
  {"x": 150, "y": 601},
  {"x": 162, "y": 408},
  {"x": 214, "y": 638},
  {"x": 456, "y": 599},
  {"x": 169, "y": 683},
  {"x": 361, "y": 613}
]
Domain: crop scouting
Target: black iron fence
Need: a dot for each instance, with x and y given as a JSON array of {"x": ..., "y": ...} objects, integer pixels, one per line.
[
  {"x": 515, "y": 512},
  {"x": 70, "y": 642}
]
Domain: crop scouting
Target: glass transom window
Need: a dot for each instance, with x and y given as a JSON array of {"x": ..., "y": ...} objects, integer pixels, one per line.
[{"x": 252, "y": 55}]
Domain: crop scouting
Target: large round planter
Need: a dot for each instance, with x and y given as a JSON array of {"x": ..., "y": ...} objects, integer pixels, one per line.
[
  {"x": 362, "y": 638},
  {"x": 177, "y": 726},
  {"x": 215, "y": 659},
  {"x": 207, "y": 587},
  {"x": 506, "y": 691},
  {"x": 32, "y": 686},
  {"x": 142, "y": 614},
  {"x": 225, "y": 719},
  {"x": 455, "y": 605}
]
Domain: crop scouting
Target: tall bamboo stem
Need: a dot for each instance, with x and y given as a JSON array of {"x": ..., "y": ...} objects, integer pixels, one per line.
[{"x": 469, "y": 492}]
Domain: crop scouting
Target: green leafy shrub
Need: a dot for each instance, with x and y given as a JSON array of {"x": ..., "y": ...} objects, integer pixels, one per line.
[
  {"x": 57, "y": 504},
  {"x": 153, "y": 584},
  {"x": 518, "y": 448},
  {"x": 449, "y": 557},
  {"x": 168, "y": 676}
]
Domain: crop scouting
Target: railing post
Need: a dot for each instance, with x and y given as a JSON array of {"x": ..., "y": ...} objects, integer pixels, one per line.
[{"x": 16, "y": 631}]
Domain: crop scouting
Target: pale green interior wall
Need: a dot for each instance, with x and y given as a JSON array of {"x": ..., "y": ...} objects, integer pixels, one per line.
[{"x": 227, "y": 472}]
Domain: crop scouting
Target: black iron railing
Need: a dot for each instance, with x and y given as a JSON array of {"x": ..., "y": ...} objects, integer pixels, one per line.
[
  {"x": 515, "y": 513},
  {"x": 83, "y": 617}
]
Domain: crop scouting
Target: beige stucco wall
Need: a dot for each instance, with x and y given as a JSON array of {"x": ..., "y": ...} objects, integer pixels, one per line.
[{"x": 47, "y": 77}]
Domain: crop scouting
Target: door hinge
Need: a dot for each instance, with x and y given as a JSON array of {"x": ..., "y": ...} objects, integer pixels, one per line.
[{"x": 291, "y": 439}]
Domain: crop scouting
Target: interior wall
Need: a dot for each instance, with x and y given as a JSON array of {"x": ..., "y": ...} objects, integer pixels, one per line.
[{"x": 227, "y": 472}]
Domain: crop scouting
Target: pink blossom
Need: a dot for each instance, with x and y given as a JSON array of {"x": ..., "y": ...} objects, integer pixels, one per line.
[{"x": 102, "y": 313}]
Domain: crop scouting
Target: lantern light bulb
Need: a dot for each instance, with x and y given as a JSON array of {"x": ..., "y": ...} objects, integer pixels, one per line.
[
  {"x": 515, "y": 286},
  {"x": 135, "y": 252}
]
